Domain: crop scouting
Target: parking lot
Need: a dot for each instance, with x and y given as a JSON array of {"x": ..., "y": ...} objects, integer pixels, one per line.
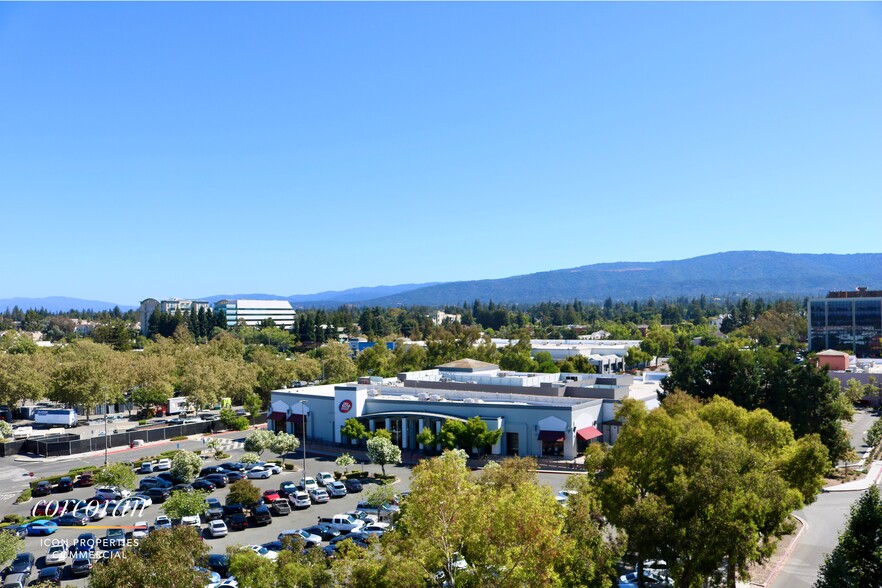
[{"x": 297, "y": 519}]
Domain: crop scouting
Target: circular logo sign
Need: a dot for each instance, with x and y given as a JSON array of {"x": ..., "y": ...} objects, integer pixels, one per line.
[{"x": 345, "y": 406}]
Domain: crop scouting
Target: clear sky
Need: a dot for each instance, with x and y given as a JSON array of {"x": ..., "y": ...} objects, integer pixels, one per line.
[{"x": 166, "y": 149}]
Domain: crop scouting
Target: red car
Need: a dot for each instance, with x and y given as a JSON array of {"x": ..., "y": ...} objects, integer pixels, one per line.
[{"x": 271, "y": 495}]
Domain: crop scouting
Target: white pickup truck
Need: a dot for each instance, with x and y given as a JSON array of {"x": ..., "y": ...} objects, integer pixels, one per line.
[{"x": 345, "y": 523}]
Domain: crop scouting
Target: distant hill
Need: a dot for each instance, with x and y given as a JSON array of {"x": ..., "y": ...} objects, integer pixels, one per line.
[
  {"x": 329, "y": 297},
  {"x": 734, "y": 273},
  {"x": 59, "y": 304}
]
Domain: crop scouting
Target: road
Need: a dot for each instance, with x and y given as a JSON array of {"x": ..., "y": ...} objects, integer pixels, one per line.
[
  {"x": 15, "y": 472},
  {"x": 825, "y": 519}
]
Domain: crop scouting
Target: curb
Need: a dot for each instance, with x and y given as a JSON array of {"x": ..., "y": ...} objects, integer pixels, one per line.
[{"x": 787, "y": 553}]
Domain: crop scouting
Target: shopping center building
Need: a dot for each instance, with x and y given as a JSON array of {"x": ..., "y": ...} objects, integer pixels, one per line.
[{"x": 539, "y": 414}]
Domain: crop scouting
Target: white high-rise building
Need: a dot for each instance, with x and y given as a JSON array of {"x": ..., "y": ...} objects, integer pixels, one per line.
[{"x": 253, "y": 312}]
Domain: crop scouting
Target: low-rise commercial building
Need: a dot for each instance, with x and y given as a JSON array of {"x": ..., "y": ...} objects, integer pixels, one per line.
[{"x": 539, "y": 414}]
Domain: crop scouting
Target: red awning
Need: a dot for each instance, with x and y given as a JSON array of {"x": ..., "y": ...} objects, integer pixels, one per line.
[
  {"x": 295, "y": 418},
  {"x": 276, "y": 416},
  {"x": 589, "y": 433},
  {"x": 552, "y": 436}
]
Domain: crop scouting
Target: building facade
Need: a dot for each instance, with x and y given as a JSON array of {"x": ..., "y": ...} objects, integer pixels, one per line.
[
  {"x": 847, "y": 321},
  {"x": 540, "y": 416},
  {"x": 170, "y": 306},
  {"x": 253, "y": 312}
]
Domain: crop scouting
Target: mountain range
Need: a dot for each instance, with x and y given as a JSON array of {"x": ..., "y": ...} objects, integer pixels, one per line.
[{"x": 735, "y": 273}]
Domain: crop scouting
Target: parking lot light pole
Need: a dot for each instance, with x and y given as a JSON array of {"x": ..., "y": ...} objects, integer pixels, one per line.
[{"x": 303, "y": 412}]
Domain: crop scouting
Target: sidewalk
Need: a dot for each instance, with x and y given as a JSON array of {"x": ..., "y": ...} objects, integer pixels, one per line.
[{"x": 870, "y": 479}]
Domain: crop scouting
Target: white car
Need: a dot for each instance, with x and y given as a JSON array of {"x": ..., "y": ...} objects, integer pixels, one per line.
[
  {"x": 162, "y": 464},
  {"x": 261, "y": 550},
  {"x": 191, "y": 520},
  {"x": 56, "y": 556},
  {"x": 162, "y": 522},
  {"x": 118, "y": 507},
  {"x": 111, "y": 493},
  {"x": 140, "y": 501},
  {"x": 300, "y": 499},
  {"x": 308, "y": 484},
  {"x": 377, "y": 528},
  {"x": 273, "y": 468},
  {"x": 140, "y": 530},
  {"x": 319, "y": 496},
  {"x": 217, "y": 528},
  {"x": 324, "y": 478},
  {"x": 259, "y": 473}
]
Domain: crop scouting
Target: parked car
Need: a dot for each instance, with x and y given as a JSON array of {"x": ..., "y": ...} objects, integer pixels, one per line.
[
  {"x": 43, "y": 488},
  {"x": 111, "y": 493},
  {"x": 84, "y": 542},
  {"x": 353, "y": 486},
  {"x": 118, "y": 507},
  {"x": 211, "y": 470},
  {"x": 141, "y": 529},
  {"x": 375, "y": 529},
  {"x": 323, "y": 530},
  {"x": 22, "y": 564},
  {"x": 182, "y": 488},
  {"x": 162, "y": 522},
  {"x": 85, "y": 479},
  {"x": 324, "y": 478},
  {"x": 270, "y": 495},
  {"x": 318, "y": 496},
  {"x": 261, "y": 550},
  {"x": 114, "y": 538},
  {"x": 335, "y": 489},
  {"x": 146, "y": 468},
  {"x": 219, "y": 480},
  {"x": 203, "y": 484},
  {"x": 56, "y": 555},
  {"x": 219, "y": 563},
  {"x": 300, "y": 499},
  {"x": 148, "y": 483},
  {"x": 233, "y": 466},
  {"x": 44, "y": 507},
  {"x": 217, "y": 528},
  {"x": 259, "y": 473},
  {"x": 163, "y": 464},
  {"x": 41, "y": 527},
  {"x": 158, "y": 495},
  {"x": 280, "y": 507},
  {"x": 309, "y": 539},
  {"x": 235, "y": 476},
  {"x": 261, "y": 515},
  {"x": 286, "y": 488},
  {"x": 140, "y": 500},
  {"x": 308, "y": 484},
  {"x": 51, "y": 574},
  {"x": 65, "y": 484},
  {"x": 238, "y": 522},
  {"x": 71, "y": 520},
  {"x": 15, "y": 581},
  {"x": 215, "y": 510},
  {"x": 191, "y": 521},
  {"x": 17, "y": 530},
  {"x": 650, "y": 579},
  {"x": 81, "y": 564}
]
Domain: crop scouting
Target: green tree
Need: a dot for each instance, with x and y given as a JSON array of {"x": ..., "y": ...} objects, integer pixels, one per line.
[
  {"x": 116, "y": 474},
  {"x": 249, "y": 458},
  {"x": 251, "y": 569},
  {"x": 426, "y": 438},
  {"x": 10, "y": 545},
  {"x": 259, "y": 441},
  {"x": 185, "y": 504},
  {"x": 701, "y": 484},
  {"x": 284, "y": 443},
  {"x": 383, "y": 452},
  {"x": 5, "y": 429},
  {"x": 857, "y": 559},
  {"x": 23, "y": 377},
  {"x": 215, "y": 447},
  {"x": 253, "y": 404},
  {"x": 854, "y": 391},
  {"x": 243, "y": 492},
  {"x": 344, "y": 461},
  {"x": 186, "y": 465},
  {"x": 353, "y": 429},
  {"x": 474, "y": 434},
  {"x": 164, "y": 559},
  {"x": 336, "y": 364},
  {"x": 517, "y": 357}
]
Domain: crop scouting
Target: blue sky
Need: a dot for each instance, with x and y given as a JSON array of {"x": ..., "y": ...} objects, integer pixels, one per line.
[{"x": 166, "y": 149}]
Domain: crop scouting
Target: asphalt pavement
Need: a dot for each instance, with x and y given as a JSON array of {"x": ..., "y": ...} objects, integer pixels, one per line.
[{"x": 14, "y": 477}]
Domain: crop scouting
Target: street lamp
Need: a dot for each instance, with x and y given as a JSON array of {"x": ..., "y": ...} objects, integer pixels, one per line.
[{"x": 303, "y": 412}]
